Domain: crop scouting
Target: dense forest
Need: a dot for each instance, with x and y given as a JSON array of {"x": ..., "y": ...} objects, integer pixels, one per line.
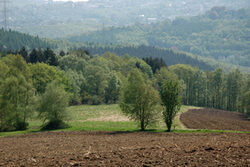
[
  {"x": 169, "y": 56},
  {"x": 220, "y": 33},
  {"x": 13, "y": 40},
  {"x": 99, "y": 79}
]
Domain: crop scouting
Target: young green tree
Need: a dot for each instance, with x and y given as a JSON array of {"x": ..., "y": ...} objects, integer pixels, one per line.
[
  {"x": 16, "y": 93},
  {"x": 234, "y": 86},
  {"x": 246, "y": 103},
  {"x": 139, "y": 99},
  {"x": 52, "y": 106},
  {"x": 186, "y": 74},
  {"x": 113, "y": 90},
  {"x": 42, "y": 74},
  {"x": 16, "y": 100},
  {"x": 170, "y": 97},
  {"x": 217, "y": 88}
]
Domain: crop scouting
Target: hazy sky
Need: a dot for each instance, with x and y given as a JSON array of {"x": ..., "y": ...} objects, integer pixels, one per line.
[{"x": 72, "y": 0}]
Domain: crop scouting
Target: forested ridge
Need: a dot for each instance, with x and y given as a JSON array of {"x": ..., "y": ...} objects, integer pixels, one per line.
[
  {"x": 169, "y": 56},
  {"x": 13, "y": 40},
  {"x": 220, "y": 33}
]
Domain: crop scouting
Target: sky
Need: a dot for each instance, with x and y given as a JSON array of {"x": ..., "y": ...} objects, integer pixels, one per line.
[{"x": 72, "y": 0}]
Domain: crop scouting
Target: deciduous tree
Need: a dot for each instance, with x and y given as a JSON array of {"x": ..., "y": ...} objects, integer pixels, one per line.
[
  {"x": 139, "y": 99},
  {"x": 170, "y": 96},
  {"x": 52, "y": 106}
]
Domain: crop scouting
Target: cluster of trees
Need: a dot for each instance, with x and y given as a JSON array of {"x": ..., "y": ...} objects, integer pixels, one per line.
[
  {"x": 214, "y": 89},
  {"x": 220, "y": 33},
  {"x": 139, "y": 86},
  {"x": 81, "y": 79},
  {"x": 37, "y": 55},
  {"x": 140, "y": 100},
  {"x": 98, "y": 79},
  {"x": 25, "y": 88}
]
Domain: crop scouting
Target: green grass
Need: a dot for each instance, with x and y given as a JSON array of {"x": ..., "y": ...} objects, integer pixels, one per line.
[{"x": 110, "y": 118}]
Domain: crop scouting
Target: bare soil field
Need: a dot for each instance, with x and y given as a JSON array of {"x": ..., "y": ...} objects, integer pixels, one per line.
[
  {"x": 215, "y": 119},
  {"x": 125, "y": 149}
]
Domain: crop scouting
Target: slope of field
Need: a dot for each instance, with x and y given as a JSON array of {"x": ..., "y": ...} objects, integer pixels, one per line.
[
  {"x": 215, "y": 119},
  {"x": 125, "y": 149}
]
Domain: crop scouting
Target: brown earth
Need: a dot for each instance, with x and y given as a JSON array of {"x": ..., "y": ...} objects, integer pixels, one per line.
[
  {"x": 215, "y": 119},
  {"x": 125, "y": 149}
]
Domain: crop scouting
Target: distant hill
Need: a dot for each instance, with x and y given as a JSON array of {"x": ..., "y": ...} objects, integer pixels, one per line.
[
  {"x": 13, "y": 40},
  {"x": 220, "y": 34},
  {"x": 169, "y": 56},
  {"x": 63, "y": 19}
]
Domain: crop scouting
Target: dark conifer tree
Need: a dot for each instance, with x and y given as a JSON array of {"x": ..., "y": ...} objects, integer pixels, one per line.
[{"x": 24, "y": 53}]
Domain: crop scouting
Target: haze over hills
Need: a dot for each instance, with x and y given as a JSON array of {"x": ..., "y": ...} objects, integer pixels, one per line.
[
  {"x": 221, "y": 34},
  {"x": 62, "y": 19}
]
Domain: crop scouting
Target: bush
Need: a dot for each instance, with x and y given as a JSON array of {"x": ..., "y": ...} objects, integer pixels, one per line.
[
  {"x": 52, "y": 107},
  {"x": 57, "y": 124}
]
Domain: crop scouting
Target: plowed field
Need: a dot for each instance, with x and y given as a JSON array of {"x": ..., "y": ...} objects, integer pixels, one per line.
[
  {"x": 215, "y": 119},
  {"x": 125, "y": 149}
]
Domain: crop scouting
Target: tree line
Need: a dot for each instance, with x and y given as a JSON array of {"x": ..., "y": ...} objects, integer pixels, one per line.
[
  {"x": 169, "y": 56},
  {"x": 214, "y": 89},
  {"x": 27, "y": 87}
]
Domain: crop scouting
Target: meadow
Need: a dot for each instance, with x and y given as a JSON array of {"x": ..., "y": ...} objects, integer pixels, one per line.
[
  {"x": 109, "y": 118},
  {"x": 100, "y": 118}
]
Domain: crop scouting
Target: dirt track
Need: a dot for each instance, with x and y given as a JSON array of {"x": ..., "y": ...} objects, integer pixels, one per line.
[
  {"x": 125, "y": 149},
  {"x": 215, "y": 119}
]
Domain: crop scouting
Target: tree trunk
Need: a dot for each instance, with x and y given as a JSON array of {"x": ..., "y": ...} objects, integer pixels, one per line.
[
  {"x": 169, "y": 127},
  {"x": 142, "y": 125}
]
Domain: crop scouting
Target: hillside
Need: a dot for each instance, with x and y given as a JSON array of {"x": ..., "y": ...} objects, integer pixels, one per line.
[
  {"x": 13, "y": 40},
  {"x": 220, "y": 33},
  {"x": 62, "y": 19},
  {"x": 170, "y": 56}
]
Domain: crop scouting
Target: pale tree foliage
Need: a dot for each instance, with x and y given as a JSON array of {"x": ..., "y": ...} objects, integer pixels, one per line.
[
  {"x": 139, "y": 99},
  {"x": 16, "y": 93},
  {"x": 52, "y": 106},
  {"x": 113, "y": 89}
]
